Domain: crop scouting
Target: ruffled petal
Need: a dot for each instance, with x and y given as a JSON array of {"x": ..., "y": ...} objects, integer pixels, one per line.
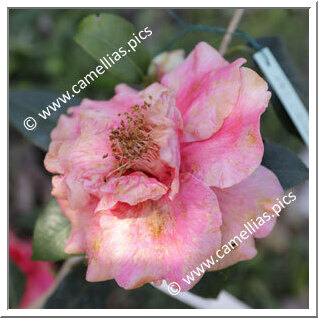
[
  {"x": 207, "y": 89},
  {"x": 81, "y": 149},
  {"x": 201, "y": 60},
  {"x": 214, "y": 100},
  {"x": 59, "y": 187},
  {"x": 88, "y": 126},
  {"x": 236, "y": 150},
  {"x": 167, "y": 122},
  {"x": 81, "y": 141},
  {"x": 125, "y": 89},
  {"x": 246, "y": 202},
  {"x": 63, "y": 137},
  {"x": 155, "y": 240},
  {"x": 132, "y": 189},
  {"x": 76, "y": 243}
]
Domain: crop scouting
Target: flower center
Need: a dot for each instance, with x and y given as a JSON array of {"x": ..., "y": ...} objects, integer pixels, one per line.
[{"x": 132, "y": 141}]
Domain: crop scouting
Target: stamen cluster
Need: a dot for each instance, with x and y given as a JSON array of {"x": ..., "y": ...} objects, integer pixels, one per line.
[{"x": 132, "y": 140}]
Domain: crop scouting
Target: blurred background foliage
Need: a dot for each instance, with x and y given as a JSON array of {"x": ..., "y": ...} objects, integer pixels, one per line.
[{"x": 44, "y": 55}]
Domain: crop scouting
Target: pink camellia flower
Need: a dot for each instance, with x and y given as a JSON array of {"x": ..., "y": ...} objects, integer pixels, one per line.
[
  {"x": 39, "y": 275},
  {"x": 155, "y": 182}
]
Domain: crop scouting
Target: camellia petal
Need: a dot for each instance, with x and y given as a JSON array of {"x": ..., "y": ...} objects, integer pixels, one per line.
[
  {"x": 63, "y": 137},
  {"x": 214, "y": 99},
  {"x": 201, "y": 60},
  {"x": 132, "y": 189},
  {"x": 165, "y": 118},
  {"x": 59, "y": 187},
  {"x": 245, "y": 202},
  {"x": 78, "y": 146},
  {"x": 207, "y": 88},
  {"x": 76, "y": 243},
  {"x": 124, "y": 89},
  {"x": 155, "y": 240},
  {"x": 236, "y": 150}
]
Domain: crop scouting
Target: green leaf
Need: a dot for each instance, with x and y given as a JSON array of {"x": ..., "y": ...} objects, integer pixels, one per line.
[
  {"x": 105, "y": 34},
  {"x": 28, "y": 103},
  {"x": 51, "y": 232},
  {"x": 288, "y": 168},
  {"x": 16, "y": 285}
]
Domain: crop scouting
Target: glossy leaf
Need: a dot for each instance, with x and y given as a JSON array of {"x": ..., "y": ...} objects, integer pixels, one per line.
[
  {"x": 103, "y": 35},
  {"x": 51, "y": 232},
  {"x": 288, "y": 168},
  {"x": 28, "y": 103}
]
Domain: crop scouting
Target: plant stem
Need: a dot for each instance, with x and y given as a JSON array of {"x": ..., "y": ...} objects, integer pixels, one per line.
[{"x": 230, "y": 30}]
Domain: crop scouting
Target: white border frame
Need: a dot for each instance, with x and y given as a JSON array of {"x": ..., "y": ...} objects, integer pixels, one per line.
[{"x": 312, "y": 163}]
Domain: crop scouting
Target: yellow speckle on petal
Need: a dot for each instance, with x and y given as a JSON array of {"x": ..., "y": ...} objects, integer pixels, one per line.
[
  {"x": 195, "y": 86},
  {"x": 250, "y": 214},
  {"x": 142, "y": 282},
  {"x": 266, "y": 204},
  {"x": 250, "y": 139},
  {"x": 157, "y": 222},
  {"x": 96, "y": 245}
]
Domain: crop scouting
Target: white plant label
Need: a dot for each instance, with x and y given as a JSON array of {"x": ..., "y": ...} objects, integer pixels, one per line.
[{"x": 284, "y": 91}]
